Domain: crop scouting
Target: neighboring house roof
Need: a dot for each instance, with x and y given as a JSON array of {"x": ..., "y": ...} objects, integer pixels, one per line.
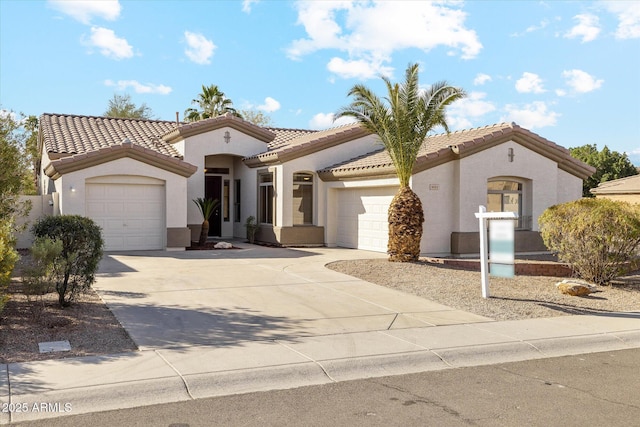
[
  {"x": 627, "y": 185},
  {"x": 64, "y": 134},
  {"x": 442, "y": 148}
]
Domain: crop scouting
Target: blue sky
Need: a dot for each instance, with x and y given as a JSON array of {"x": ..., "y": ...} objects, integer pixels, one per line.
[{"x": 569, "y": 71}]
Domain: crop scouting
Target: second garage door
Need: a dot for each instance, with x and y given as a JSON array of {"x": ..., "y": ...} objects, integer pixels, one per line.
[
  {"x": 362, "y": 218},
  {"x": 131, "y": 215}
]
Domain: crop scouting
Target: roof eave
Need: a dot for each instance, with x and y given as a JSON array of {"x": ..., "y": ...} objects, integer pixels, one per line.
[
  {"x": 378, "y": 172},
  {"x": 56, "y": 168},
  {"x": 294, "y": 152}
]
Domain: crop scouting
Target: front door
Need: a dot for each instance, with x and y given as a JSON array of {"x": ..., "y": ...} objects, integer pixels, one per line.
[{"x": 213, "y": 190}]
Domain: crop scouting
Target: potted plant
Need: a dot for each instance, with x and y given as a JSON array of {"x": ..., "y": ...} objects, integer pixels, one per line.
[{"x": 251, "y": 226}]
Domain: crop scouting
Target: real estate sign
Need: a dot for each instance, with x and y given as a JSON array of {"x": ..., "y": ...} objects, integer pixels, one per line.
[{"x": 501, "y": 248}]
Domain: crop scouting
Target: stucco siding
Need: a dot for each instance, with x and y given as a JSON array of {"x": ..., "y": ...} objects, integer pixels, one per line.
[
  {"x": 122, "y": 170},
  {"x": 475, "y": 171},
  {"x": 438, "y": 192}
]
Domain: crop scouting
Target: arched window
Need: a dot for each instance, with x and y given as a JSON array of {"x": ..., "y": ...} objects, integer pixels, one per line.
[
  {"x": 302, "y": 198},
  {"x": 504, "y": 195}
]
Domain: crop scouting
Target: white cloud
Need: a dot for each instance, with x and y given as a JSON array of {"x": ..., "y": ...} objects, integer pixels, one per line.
[
  {"x": 325, "y": 121},
  {"x": 270, "y": 105},
  {"x": 581, "y": 81},
  {"x": 529, "y": 83},
  {"x": 628, "y": 13},
  {"x": 361, "y": 69},
  {"x": 85, "y": 10},
  {"x": 474, "y": 106},
  {"x": 246, "y": 5},
  {"x": 561, "y": 92},
  {"x": 139, "y": 87},
  {"x": 481, "y": 79},
  {"x": 531, "y": 116},
  {"x": 109, "y": 44},
  {"x": 199, "y": 48},
  {"x": 588, "y": 28},
  {"x": 361, "y": 30}
]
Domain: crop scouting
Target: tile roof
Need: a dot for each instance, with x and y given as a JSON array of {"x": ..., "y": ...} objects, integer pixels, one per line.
[
  {"x": 627, "y": 185},
  {"x": 64, "y": 134},
  {"x": 286, "y": 136},
  {"x": 307, "y": 142},
  {"x": 440, "y": 148}
]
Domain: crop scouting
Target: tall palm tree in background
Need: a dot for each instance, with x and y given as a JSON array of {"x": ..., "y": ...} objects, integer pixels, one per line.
[
  {"x": 211, "y": 102},
  {"x": 402, "y": 121}
]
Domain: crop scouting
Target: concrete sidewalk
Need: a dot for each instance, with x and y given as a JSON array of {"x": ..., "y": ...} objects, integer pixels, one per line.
[{"x": 277, "y": 318}]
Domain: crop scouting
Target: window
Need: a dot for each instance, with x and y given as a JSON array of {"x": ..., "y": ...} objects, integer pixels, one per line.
[
  {"x": 302, "y": 199},
  {"x": 506, "y": 196},
  {"x": 236, "y": 201},
  {"x": 225, "y": 201},
  {"x": 265, "y": 198}
]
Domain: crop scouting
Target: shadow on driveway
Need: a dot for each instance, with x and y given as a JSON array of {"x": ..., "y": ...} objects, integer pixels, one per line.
[{"x": 172, "y": 326}]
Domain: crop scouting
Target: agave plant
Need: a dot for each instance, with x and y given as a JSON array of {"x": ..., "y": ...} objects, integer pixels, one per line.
[
  {"x": 402, "y": 121},
  {"x": 206, "y": 208}
]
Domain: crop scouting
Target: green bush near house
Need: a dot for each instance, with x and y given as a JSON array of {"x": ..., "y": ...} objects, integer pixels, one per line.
[
  {"x": 598, "y": 238},
  {"x": 73, "y": 270},
  {"x": 8, "y": 259}
]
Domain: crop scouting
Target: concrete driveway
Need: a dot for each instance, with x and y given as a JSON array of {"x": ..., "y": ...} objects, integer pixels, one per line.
[{"x": 255, "y": 293}]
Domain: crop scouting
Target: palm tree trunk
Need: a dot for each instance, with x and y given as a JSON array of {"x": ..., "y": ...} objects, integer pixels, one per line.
[
  {"x": 405, "y": 226},
  {"x": 204, "y": 233}
]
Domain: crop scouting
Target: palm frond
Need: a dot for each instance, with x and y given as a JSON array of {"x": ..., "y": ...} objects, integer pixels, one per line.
[{"x": 404, "y": 117}]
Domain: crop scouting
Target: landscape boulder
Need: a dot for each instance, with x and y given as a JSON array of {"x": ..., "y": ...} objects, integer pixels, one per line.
[
  {"x": 223, "y": 245},
  {"x": 575, "y": 287}
]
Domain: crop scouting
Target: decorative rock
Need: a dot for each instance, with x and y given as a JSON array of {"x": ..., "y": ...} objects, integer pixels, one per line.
[
  {"x": 223, "y": 245},
  {"x": 575, "y": 287}
]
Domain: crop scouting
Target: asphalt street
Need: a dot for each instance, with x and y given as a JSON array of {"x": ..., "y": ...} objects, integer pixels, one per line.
[{"x": 594, "y": 389}]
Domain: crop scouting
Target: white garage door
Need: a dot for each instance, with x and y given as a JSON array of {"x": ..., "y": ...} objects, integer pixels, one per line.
[
  {"x": 131, "y": 215},
  {"x": 362, "y": 218}
]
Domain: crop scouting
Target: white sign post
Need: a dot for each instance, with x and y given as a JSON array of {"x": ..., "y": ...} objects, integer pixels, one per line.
[{"x": 483, "y": 216}]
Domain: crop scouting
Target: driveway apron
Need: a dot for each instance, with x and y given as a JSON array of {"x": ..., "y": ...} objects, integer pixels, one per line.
[{"x": 254, "y": 293}]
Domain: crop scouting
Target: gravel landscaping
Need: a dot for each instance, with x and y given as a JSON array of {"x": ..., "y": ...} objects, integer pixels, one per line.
[{"x": 522, "y": 297}]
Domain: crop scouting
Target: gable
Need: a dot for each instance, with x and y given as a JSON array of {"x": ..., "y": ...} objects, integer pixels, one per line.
[{"x": 61, "y": 166}]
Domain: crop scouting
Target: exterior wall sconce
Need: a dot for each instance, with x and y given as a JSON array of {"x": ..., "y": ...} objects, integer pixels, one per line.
[
  {"x": 511, "y": 155},
  {"x": 72, "y": 189},
  {"x": 227, "y": 136}
]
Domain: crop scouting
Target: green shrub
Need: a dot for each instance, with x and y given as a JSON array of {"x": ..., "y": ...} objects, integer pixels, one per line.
[
  {"x": 598, "y": 238},
  {"x": 73, "y": 270},
  {"x": 38, "y": 277},
  {"x": 8, "y": 259}
]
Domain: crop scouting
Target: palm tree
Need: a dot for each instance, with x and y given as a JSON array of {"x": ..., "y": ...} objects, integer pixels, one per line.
[
  {"x": 212, "y": 102},
  {"x": 402, "y": 121},
  {"x": 206, "y": 208}
]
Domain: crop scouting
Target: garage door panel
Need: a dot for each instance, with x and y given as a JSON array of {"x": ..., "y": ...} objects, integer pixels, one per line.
[
  {"x": 362, "y": 218},
  {"x": 131, "y": 215}
]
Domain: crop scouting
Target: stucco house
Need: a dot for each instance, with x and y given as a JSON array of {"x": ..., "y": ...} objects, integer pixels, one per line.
[
  {"x": 137, "y": 179},
  {"x": 623, "y": 189}
]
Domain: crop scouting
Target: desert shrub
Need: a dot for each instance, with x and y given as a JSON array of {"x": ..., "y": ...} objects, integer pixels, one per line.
[
  {"x": 38, "y": 276},
  {"x": 8, "y": 259},
  {"x": 598, "y": 238},
  {"x": 73, "y": 270}
]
